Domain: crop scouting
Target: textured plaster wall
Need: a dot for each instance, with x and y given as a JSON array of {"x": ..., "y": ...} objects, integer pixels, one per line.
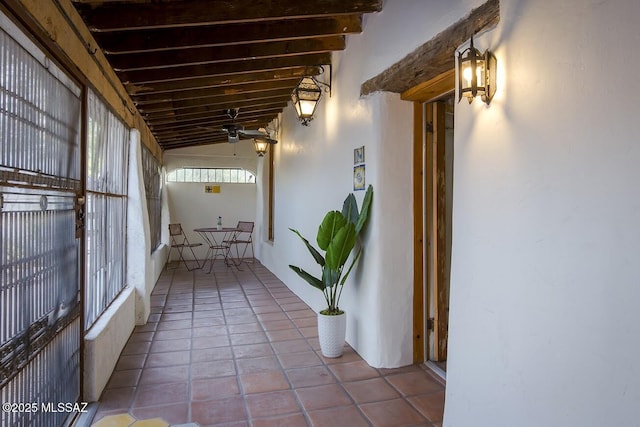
[
  {"x": 314, "y": 173},
  {"x": 104, "y": 342},
  {"x": 545, "y": 280},
  {"x": 138, "y": 234}
]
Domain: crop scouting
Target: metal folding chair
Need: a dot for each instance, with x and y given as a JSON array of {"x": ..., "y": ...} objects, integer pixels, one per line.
[
  {"x": 242, "y": 237},
  {"x": 179, "y": 242}
]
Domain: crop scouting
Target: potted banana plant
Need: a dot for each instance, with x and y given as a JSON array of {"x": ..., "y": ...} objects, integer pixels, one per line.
[{"x": 337, "y": 237}]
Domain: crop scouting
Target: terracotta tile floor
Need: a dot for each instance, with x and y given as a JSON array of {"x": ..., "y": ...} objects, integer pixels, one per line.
[{"x": 237, "y": 348}]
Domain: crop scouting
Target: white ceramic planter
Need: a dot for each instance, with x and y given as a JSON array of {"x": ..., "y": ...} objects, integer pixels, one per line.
[{"x": 331, "y": 334}]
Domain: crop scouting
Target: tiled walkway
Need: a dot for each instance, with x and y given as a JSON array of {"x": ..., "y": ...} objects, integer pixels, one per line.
[{"x": 238, "y": 348}]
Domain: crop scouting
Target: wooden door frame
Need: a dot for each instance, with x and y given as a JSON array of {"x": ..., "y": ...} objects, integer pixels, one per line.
[
  {"x": 436, "y": 207},
  {"x": 418, "y": 233},
  {"x": 420, "y": 94}
]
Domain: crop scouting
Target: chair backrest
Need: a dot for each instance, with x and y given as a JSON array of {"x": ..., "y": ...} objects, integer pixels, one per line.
[
  {"x": 245, "y": 226},
  {"x": 178, "y": 238},
  {"x": 175, "y": 229}
]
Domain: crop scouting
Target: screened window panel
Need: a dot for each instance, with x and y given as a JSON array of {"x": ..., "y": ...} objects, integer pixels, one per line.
[
  {"x": 38, "y": 252},
  {"x": 106, "y": 208},
  {"x": 38, "y": 135},
  {"x": 107, "y": 149},
  {"x": 153, "y": 189}
]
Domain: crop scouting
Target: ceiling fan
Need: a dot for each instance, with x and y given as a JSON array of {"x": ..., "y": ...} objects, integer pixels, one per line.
[{"x": 237, "y": 132}]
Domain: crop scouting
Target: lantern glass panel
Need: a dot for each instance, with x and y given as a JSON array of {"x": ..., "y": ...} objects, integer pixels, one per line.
[{"x": 260, "y": 146}]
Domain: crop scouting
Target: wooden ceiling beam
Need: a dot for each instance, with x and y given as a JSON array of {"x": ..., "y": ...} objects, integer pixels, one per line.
[
  {"x": 120, "y": 15},
  {"x": 206, "y": 111},
  {"x": 176, "y": 120},
  {"x": 208, "y": 55},
  {"x": 435, "y": 57},
  {"x": 217, "y": 81},
  {"x": 191, "y": 133},
  {"x": 219, "y": 115},
  {"x": 194, "y": 136},
  {"x": 221, "y": 101},
  {"x": 185, "y": 61},
  {"x": 211, "y": 124},
  {"x": 221, "y": 35},
  {"x": 184, "y": 95},
  {"x": 169, "y": 116},
  {"x": 140, "y": 77},
  {"x": 193, "y": 144},
  {"x": 182, "y": 134},
  {"x": 202, "y": 135}
]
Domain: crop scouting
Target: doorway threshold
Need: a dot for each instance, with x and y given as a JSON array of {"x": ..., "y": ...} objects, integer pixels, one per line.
[{"x": 436, "y": 369}]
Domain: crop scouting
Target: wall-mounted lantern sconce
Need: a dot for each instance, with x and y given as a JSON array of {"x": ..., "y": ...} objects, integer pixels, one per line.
[
  {"x": 261, "y": 146},
  {"x": 306, "y": 95},
  {"x": 476, "y": 74}
]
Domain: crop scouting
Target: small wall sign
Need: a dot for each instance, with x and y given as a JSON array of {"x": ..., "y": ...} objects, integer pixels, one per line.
[
  {"x": 358, "y": 156},
  {"x": 358, "y": 169},
  {"x": 358, "y": 178},
  {"x": 211, "y": 188}
]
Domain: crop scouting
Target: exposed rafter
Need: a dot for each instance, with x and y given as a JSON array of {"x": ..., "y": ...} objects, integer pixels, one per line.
[
  {"x": 126, "y": 15},
  {"x": 184, "y": 62}
]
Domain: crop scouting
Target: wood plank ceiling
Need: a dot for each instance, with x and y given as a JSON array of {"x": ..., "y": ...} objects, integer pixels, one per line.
[{"x": 184, "y": 62}]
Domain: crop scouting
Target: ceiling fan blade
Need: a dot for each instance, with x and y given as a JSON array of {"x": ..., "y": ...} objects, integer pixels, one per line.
[
  {"x": 232, "y": 128},
  {"x": 212, "y": 129},
  {"x": 253, "y": 133}
]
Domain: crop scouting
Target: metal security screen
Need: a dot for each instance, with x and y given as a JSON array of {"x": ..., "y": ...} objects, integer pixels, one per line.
[
  {"x": 40, "y": 112},
  {"x": 153, "y": 190},
  {"x": 106, "y": 209}
]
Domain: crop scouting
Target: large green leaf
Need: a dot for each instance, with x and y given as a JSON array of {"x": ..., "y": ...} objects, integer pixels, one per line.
[
  {"x": 330, "y": 277},
  {"x": 353, "y": 261},
  {"x": 340, "y": 246},
  {"x": 332, "y": 222},
  {"x": 313, "y": 281},
  {"x": 316, "y": 255},
  {"x": 350, "y": 208},
  {"x": 364, "y": 213}
]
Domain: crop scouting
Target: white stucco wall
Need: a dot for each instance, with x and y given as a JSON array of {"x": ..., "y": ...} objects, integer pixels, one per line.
[
  {"x": 543, "y": 323},
  {"x": 138, "y": 234},
  {"x": 314, "y": 173},
  {"x": 104, "y": 342},
  {"x": 545, "y": 284},
  {"x": 235, "y": 202}
]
